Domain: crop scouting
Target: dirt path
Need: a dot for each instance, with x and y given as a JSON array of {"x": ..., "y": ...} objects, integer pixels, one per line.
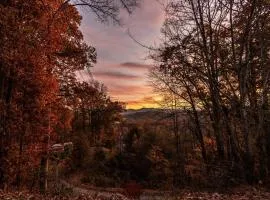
[
  {"x": 241, "y": 193},
  {"x": 94, "y": 193},
  {"x": 114, "y": 193}
]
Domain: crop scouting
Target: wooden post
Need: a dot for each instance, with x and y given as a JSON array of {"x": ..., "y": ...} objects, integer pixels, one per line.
[
  {"x": 57, "y": 176},
  {"x": 43, "y": 174},
  {"x": 44, "y": 163}
]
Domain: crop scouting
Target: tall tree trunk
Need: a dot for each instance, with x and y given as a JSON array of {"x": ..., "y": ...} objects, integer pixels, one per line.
[{"x": 199, "y": 132}]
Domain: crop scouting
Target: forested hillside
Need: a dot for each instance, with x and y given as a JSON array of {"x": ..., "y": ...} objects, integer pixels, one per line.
[{"x": 210, "y": 72}]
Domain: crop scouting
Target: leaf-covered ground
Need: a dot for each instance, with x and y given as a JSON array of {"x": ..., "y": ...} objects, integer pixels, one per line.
[{"x": 245, "y": 193}]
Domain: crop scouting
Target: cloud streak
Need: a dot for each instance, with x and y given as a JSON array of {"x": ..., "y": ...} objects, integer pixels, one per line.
[
  {"x": 115, "y": 75},
  {"x": 134, "y": 65}
]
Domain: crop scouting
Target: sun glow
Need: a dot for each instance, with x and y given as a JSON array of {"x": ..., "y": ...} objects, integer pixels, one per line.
[{"x": 146, "y": 102}]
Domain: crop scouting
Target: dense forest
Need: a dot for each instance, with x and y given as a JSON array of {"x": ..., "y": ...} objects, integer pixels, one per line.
[
  {"x": 41, "y": 99},
  {"x": 212, "y": 70}
]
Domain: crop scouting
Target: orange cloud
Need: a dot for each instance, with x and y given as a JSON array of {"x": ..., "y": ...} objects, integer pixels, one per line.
[{"x": 129, "y": 91}]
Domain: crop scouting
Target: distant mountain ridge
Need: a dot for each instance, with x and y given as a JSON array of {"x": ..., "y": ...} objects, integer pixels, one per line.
[
  {"x": 142, "y": 114},
  {"x": 150, "y": 114},
  {"x": 131, "y": 111}
]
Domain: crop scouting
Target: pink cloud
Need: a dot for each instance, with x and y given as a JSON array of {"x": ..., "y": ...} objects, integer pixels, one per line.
[
  {"x": 136, "y": 66},
  {"x": 115, "y": 75}
]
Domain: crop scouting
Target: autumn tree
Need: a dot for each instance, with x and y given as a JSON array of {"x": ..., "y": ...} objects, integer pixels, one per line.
[
  {"x": 214, "y": 59},
  {"x": 41, "y": 49},
  {"x": 95, "y": 112}
]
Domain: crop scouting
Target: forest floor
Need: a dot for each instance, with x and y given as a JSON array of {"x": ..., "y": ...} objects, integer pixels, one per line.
[{"x": 78, "y": 193}]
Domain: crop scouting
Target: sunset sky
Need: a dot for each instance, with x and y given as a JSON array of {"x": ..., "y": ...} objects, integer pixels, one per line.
[{"x": 122, "y": 64}]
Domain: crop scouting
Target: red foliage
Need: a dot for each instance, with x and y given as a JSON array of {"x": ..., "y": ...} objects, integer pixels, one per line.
[
  {"x": 133, "y": 190},
  {"x": 41, "y": 48}
]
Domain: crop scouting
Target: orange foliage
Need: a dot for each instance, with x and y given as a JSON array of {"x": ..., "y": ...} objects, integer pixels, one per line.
[{"x": 41, "y": 48}]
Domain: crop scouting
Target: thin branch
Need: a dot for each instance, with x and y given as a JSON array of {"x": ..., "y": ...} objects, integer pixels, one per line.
[{"x": 139, "y": 43}]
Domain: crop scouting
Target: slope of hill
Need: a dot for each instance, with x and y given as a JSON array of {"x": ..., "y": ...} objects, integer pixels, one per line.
[
  {"x": 144, "y": 114},
  {"x": 151, "y": 115}
]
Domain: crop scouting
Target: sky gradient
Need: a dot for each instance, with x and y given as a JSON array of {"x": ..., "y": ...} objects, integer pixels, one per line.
[{"x": 122, "y": 64}]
